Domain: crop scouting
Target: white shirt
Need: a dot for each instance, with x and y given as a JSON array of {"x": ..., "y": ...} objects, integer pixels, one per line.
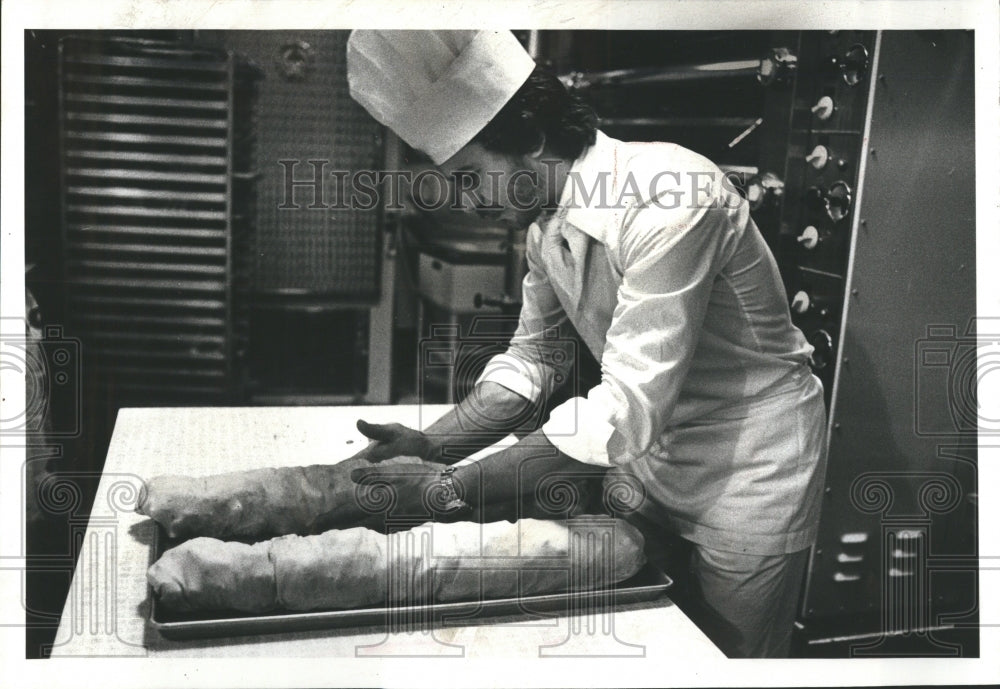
[{"x": 654, "y": 259}]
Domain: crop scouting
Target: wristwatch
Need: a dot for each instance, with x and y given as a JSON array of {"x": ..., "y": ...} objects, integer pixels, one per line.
[{"x": 453, "y": 504}]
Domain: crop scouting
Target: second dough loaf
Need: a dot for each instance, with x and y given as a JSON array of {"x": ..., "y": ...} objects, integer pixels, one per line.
[{"x": 360, "y": 567}]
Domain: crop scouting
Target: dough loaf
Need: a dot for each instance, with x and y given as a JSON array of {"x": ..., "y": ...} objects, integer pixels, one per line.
[
  {"x": 261, "y": 503},
  {"x": 360, "y": 567}
]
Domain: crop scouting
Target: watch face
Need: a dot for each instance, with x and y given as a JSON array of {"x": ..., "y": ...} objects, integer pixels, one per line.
[{"x": 449, "y": 500}]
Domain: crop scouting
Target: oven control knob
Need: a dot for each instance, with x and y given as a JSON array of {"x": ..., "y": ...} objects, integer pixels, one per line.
[
  {"x": 764, "y": 190},
  {"x": 838, "y": 201},
  {"x": 854, "y": 65},
  {"x": 809, "y": 238},
  {"x": 835, "y": 202},
  {"x": 819, "y": 157},
  {"x": 779, "y": 65},
  {"x": 824, "y": 108},
  {"x": 801, "y": 302}
]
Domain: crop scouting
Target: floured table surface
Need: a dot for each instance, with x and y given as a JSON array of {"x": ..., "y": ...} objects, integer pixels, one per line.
[{"x": 107, "y": 610}]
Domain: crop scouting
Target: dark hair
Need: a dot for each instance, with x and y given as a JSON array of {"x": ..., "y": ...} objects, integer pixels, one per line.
[{"x": 542, "y": 106}]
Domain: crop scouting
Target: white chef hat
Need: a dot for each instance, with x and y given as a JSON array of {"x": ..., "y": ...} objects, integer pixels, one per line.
[{"x": 435, "y": 89}]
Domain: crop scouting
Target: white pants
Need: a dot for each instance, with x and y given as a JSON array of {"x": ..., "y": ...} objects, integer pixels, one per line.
[{"x": 744, "y": 603}]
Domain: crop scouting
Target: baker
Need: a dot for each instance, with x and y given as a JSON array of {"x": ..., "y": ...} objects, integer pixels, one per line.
[{"x": 706, "y": 401}]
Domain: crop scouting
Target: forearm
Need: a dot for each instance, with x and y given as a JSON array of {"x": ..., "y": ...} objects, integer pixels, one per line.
[
  {"x": 488, "y": 414},
  {"x": 518, "y": 471}
]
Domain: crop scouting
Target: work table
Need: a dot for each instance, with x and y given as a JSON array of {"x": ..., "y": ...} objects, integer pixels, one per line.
[{"x": 106, "y": 612}]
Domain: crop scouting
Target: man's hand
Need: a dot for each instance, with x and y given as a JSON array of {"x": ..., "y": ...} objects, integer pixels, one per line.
[
  {"x": 394, "y": 440},
  {"x": 400, "y": 490}
]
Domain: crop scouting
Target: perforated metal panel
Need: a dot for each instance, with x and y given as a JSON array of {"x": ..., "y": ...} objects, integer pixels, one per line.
[{"x": 306, "y": 113}]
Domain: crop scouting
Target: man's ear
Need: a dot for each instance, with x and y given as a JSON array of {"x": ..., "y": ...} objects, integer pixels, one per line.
[{"x": 539, "y": 147}]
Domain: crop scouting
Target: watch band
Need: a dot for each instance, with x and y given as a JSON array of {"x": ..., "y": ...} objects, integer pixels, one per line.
[{"x": 452, "y": 502}]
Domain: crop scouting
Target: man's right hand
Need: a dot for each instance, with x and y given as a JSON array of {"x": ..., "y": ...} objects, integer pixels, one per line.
[{"x": 394, "y": 440}]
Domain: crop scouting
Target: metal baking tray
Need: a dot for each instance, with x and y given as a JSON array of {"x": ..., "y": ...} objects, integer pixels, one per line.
[{"x": 648, "y": 584}]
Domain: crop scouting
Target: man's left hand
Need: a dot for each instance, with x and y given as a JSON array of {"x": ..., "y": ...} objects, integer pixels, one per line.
[{"x": 394, "y": 440}]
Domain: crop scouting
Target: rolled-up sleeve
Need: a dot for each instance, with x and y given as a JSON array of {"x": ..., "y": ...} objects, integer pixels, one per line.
[
  {"x": 539, "y": 358},
  {"x": 670, "y": 259}
]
